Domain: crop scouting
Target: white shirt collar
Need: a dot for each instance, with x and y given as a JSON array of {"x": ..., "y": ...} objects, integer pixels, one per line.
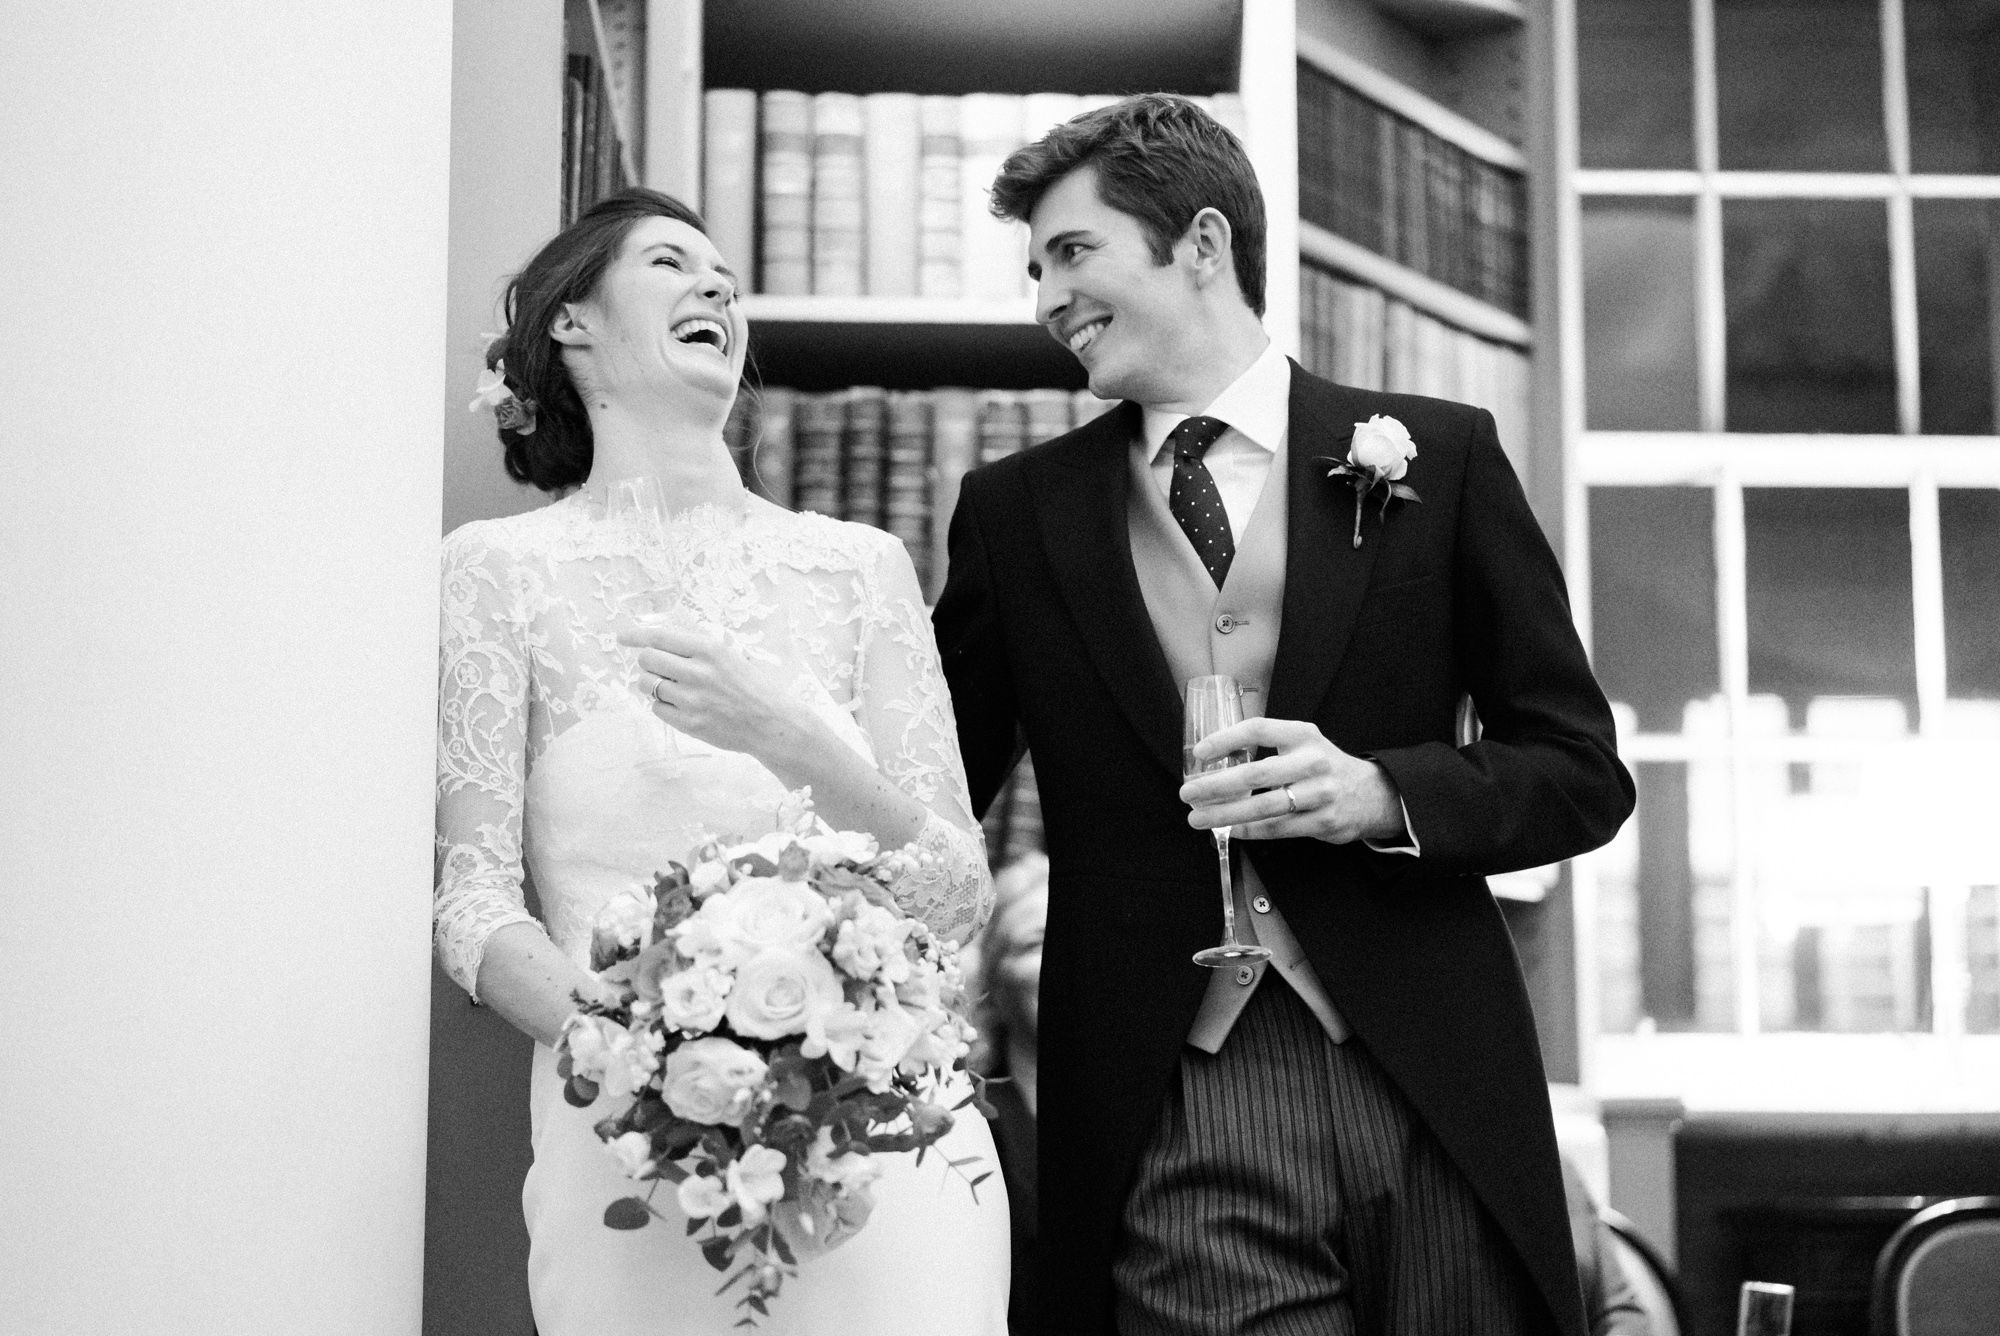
[{"x": 1257, "y": 405}]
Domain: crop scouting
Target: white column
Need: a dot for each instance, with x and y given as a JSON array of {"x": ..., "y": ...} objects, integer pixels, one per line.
[{"x": 220, "y": 365}]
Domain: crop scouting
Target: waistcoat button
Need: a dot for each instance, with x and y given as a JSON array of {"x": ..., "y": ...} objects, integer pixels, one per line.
[
  {"x": 1245, "y": 975},
  {"x": 1225, "y": 623},
  {"x": 1262, "y": 904}
]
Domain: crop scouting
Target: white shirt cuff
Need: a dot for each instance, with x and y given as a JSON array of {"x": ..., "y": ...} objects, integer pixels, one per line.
[{"x": 1408, "y": 846}]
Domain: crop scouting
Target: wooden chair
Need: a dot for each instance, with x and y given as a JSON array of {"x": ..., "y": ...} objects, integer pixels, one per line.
[{"x": 1939, "y": 1274}]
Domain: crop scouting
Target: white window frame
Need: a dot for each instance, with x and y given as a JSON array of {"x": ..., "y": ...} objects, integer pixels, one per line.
[{"x": 1945, "y": 1069}]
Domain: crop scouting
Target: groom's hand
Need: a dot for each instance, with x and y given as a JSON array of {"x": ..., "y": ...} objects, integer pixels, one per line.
[{"x": 1309, "y": 788}]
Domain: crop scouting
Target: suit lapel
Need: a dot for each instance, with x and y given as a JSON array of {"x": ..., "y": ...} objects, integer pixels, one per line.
[
  {"x": 1325, "y": 574},
  {"x": 1080, "y": 499}
]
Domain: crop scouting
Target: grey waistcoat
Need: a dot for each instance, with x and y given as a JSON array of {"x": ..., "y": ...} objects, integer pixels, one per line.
[{"x": 1231, "y": 630}]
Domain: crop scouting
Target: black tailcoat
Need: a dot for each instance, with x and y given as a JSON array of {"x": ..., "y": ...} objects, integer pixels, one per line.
[{"x": 1046, "y": 642}]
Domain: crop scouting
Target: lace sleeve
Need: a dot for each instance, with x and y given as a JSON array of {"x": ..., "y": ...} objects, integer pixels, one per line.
[
  {"x": 482, "y": 758},
  {"x": 905, "y": 707}
]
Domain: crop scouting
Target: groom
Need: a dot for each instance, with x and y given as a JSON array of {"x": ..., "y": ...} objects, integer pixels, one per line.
[{"x": 1355, "y": 1137}]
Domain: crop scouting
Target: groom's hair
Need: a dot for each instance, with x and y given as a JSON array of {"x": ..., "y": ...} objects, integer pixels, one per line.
[
  {"x": 556, "y": 451},
  {"x": 1160, "y": 159}
]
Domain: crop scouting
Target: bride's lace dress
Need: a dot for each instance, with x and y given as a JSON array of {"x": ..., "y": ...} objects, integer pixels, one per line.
[{"x": 553, "y": 772}]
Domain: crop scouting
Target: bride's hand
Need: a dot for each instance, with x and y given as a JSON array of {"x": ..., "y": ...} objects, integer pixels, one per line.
[{"x": 710, "y": 690}]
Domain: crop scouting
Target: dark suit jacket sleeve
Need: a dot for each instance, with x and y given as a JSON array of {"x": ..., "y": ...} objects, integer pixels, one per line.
[
  {"x": 967, "y": 621},
  {"x": 1543, "y": 782}
]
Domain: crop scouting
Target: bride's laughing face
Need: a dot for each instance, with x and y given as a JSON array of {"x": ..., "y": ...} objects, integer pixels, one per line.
[{"x": 664, "y": 317}]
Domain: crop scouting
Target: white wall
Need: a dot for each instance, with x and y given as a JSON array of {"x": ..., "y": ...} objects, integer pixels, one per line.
[{"x": 220, "y": 366}]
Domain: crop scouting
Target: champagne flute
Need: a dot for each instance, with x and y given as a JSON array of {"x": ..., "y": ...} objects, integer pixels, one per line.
[
  {"x": 635, "y": 505},
  {"x": 1214, "y": 703}
]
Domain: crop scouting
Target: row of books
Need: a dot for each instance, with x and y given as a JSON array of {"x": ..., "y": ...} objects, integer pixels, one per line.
[
  {"x": 591, "y": 163},
  {"x": 1387, "y": 183},
  {"x": 1360, "y": 336},
  {"x": 892, "y": 459},
  {"x": 883, "y": 194}
]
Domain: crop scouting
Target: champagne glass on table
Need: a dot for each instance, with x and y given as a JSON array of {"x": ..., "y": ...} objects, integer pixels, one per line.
[{"x": 1213, "y": 704}]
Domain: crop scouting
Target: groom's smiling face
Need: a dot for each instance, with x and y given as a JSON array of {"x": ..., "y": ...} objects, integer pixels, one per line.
[{"x": 1102, "y": 294}]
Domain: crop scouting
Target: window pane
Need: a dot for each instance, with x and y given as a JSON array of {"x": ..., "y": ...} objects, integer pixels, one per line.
[
  {"x": 1652, "y": 599},
  {"x": 1799, "y": 85},
  {"x": 1983, "y": 955},
  {"x": 1969, "y": 526},
  {"x": 1829, "y": 600},
  {"x": 1663, "y": 904},
  {"x": 1638, "y": 315},
  {"x": 1635, "y": 83},
  {"x": 1954, "y": 49},
  {"x": 1806, "y": 288},
  {"x": 1958, "y": 264}
]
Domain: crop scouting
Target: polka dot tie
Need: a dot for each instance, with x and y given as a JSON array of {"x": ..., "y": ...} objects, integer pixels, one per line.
[{"x": 1194, "y": 499}]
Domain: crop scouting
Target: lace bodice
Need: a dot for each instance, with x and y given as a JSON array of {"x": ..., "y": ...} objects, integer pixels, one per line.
[{"x": 552, "y": 770}]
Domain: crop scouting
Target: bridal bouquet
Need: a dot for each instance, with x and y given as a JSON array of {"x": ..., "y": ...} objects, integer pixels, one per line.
[{"x": 778, "y": 1023}]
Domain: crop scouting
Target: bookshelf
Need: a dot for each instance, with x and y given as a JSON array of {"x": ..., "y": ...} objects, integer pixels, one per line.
[{"x": 1448, "y": 68}]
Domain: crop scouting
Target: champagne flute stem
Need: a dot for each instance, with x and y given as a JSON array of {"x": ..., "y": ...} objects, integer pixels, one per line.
[{"x": 1228, "y": 887}]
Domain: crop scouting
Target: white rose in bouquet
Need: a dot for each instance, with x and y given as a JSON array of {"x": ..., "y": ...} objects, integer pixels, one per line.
[
  {"x": 779, "y": 991},
  {"x": 766, "y": 913},
  {"x": 693, "y": 999},
  {"x": 711, "y": 1080}
]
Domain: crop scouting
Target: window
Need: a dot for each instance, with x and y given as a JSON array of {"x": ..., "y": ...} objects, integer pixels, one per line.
[{"x": 1786, "y": 235}]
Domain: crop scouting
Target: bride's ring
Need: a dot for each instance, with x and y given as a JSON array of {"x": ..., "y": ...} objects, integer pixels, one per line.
[
  {"x": 656, "y": 691},
  {"x": 1291, "y": 801}
]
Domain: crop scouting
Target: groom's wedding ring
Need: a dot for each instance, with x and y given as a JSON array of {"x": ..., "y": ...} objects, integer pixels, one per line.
[{"x": 1291, "y": 801}]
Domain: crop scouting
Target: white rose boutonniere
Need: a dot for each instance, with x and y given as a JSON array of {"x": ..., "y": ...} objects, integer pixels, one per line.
[{"x": 1377, "y": 458}]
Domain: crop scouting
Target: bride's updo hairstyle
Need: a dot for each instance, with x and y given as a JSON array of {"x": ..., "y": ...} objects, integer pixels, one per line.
[{"x": 554, "y": 450}]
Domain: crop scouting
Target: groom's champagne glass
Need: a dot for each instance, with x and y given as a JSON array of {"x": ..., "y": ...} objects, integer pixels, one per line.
[{"x": 1213, "y": 704}]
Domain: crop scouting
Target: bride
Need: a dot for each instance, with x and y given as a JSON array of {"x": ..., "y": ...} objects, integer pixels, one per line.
[{"x": 581, "y": 747}]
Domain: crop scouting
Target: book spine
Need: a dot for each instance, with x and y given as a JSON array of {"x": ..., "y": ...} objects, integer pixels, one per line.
[
  {"x": 954, "y": 450},
  {"x": 863, "y": 454},
  {"x": 818, "y": 422},
  {"x": 892, "y": 148},
  {"x": 604, "y": 140},
  {"x": 941, "y": 248},
  {"x": 1045, "y": 415},
  {"x": 995, "y": 250},
  {"x": 1003, "y": 424},
  {"x": 729, "y": 177},
  {"x": 787, "y": 160},
  {"x": 771, "y": 454},
  {"x": 1399, "y": 329},
  {"x": 906, "y": 478},
  {"x": 739, "y": 432},
  {"x": 837, "y": 244},
  {"x": 625, "y": 58},
  {"x": 572, "y": 145}
]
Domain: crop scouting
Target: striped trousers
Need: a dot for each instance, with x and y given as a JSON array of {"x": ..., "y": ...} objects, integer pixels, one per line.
[{"x": 1288, "y": 1189}]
